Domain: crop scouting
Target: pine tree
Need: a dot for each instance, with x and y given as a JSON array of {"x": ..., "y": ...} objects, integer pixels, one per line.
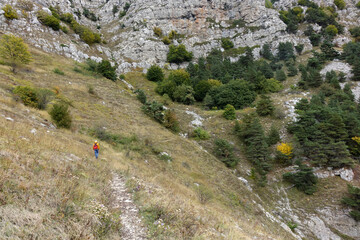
[
  {"x": 273, "y": 137},
  {"x": 280, "y": 75},
  {"x": 356, "y": 70},
  {"x": 265, "y": 106},
  {"x": 314, "y": 78},
  {"x": 353, "y": 201},
  {"x": 292, "y": 70},
  {"x": 304, "y": 179},
  {"x": 266, "y": 52}
]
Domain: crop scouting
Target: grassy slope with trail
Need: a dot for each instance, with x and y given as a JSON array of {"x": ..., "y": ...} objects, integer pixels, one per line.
[{"x": 52, "y": 179}]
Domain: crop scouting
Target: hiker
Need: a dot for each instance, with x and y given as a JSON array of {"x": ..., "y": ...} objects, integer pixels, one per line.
[{"x": 96, "y": 148}]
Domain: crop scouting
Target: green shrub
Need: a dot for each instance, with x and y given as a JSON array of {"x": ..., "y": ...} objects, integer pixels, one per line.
[
  {"x": 115, "y": 9},
  {"x": 225, "y": 151},
  {"x": 154, "y": 110},
  {"x": 280, "y": 75},
  {"x": 340, "y": 4},
  {"x": 331, "y": 30},
  {"x": 157, "y": 31},
  {"x": 353, "y": 201},
  {"x": 184, "y": 94},
  {"x": 44, "y": 96},
  {"x": 238, "y": 93},
  {"x": 105, "y": 69},
  {"x": 299, "y": 48},
  {"x": 61, "y": 116},
  {"x": 91, "y": 89},
  {"x": 48, "y": 20},
  {"x": 229, "y": 112},
  {"x": 140, "y": 95},
  {"x": 273, "y": 136},
  {"x": 271, "y": 85},
  {"x": 201, "y": 134},
  {"x": 173, "y": 34},
  {"x": 179, "y": 77},
  {"x": 355, "y": 32},
  {"x": 304, "y": 179},
  {"x": 226, "y": 43},
  {"x": 155, "y": 73},
  {"x": 178, "y": 54},
  {"x": 64, "y": 29},
  {"x": 166, "y": 40},
  {"x": 265, "y": 106},
  {"x": 286, "y": 51},
  {"x": 9, "y": 12},
  {"x": 27, "y": 95},
  {"x": 58, "y": 71},
  {"x": 358, "y": 5},
  {"x": 266, "y": 52},
  {"x": 89, "y": 15},
  {"x": 170, "y": 121},
  {"x": 268, "y": 4}
]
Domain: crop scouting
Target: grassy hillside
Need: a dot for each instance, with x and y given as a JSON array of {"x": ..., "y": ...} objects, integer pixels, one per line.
[
  {"x": 50, "y": 179},
  {"x": 51, "y": 183}
]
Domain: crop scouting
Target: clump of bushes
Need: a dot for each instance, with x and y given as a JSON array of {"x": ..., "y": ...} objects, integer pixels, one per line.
[
  {"x": 103, "y": 68},
  {"x": 58, "y": 71},
  {"x": 61, "y": 116},
  {"x": 140, "y": 95},
  {"x": 178, "y": 54},
  {"x": 229, "y": 112},
  {"x": 353, "y": 201},
  {"x": 340, "y": 4},
  {"x": 157, "y": 31},
  {"x": 200, "y": 134},
  {"x": 265, "y": 106},
  {"x": 53, "y": 21},
  {"x": 225, "y": 151},
  {"x": 226, "y": 43},
  {"x": 303, "y": 179},
  {"x": 155, "y": 73},
  {"x": 48, "y": 20},
  {"x": 36, "y": 98},
  {"x": 9, "y": 12}
]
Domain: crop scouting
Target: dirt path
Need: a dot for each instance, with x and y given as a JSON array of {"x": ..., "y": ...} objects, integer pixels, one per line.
[{"x": 132, "y": 227}]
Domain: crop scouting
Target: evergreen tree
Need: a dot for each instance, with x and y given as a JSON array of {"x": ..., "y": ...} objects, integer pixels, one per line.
[
  {"x": 273, "y": 137},
  {"x": 252, "y": 134},
  {"x": 314, "y": 79},
  {"x": 304, "y": 178},
  {"x": 286, "y": 51},
  {"x": 292, "y": 70},
  {"x": 280, "y": 75},
  {"x": 353, "y": 201},
  {"x": 356, "y": 70},
  {"x": 266, "y": 52},
  {"x": 328, "y": 49},
  {"x": 265, "y": 106}
]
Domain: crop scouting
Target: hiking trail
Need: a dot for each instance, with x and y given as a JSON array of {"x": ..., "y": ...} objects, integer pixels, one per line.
[{"x": 132, "y": 227}]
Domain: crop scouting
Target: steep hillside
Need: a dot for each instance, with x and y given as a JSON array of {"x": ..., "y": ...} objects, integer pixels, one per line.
[{"x": 51, "y": 185}]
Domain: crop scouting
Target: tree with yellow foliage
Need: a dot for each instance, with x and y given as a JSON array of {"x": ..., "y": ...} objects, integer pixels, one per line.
[
  {"x": 284, "y": 153},
  {"x": 14, "y": 51}
]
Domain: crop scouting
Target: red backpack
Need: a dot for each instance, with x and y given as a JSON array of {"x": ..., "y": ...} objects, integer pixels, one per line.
[{"x": 95, "y": 146}]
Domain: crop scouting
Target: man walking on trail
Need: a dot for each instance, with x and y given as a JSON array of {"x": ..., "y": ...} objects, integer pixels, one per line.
[{"x": 96, "y": 148}]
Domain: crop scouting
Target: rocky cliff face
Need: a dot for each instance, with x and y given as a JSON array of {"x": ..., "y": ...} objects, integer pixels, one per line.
[{"x": 131, "y": 41}]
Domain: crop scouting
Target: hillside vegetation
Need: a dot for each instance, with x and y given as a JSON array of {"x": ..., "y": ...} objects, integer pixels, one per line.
[{"x": 51, "y": 182}]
